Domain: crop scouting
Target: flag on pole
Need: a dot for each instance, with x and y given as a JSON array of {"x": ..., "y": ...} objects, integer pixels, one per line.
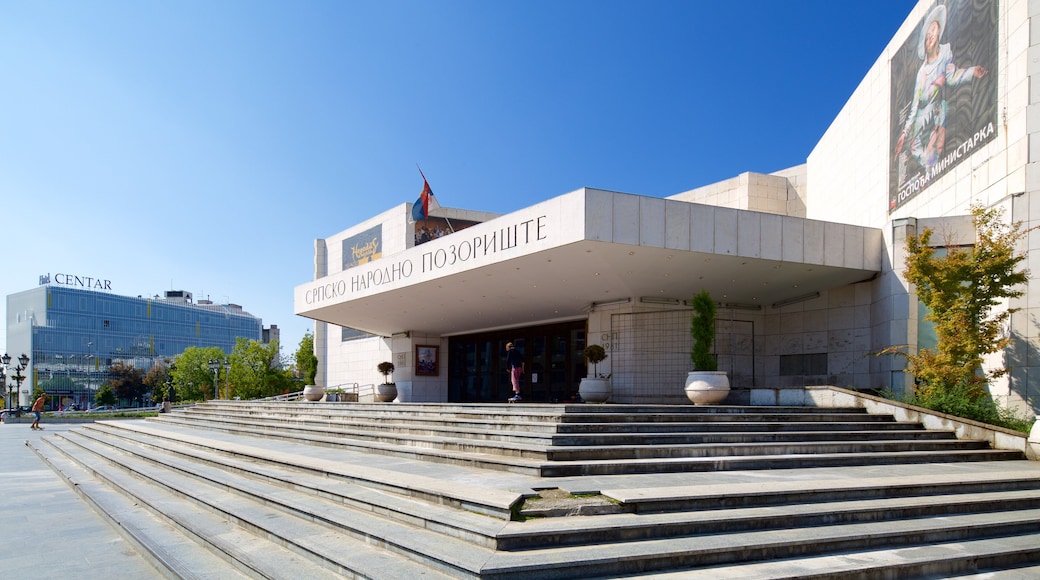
[{"x": 426, "y": 203}]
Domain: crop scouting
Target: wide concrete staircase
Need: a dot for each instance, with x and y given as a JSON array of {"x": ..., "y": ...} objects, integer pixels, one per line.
[{"x": 331, "y": 490}]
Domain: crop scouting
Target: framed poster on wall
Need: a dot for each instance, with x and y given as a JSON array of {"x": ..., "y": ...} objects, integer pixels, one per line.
[{"x": 426, "y": 360}]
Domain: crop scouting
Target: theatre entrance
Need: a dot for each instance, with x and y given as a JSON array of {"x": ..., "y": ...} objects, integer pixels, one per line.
[{"x": 555, "y": 364}]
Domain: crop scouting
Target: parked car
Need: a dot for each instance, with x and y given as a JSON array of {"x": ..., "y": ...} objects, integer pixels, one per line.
[{"x": 104, "y": 408}]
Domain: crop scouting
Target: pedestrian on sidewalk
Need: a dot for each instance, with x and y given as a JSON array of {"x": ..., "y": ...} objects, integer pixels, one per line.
[
  {"x": 515, "y": 363},
  {"x": 36, "y": 408}
]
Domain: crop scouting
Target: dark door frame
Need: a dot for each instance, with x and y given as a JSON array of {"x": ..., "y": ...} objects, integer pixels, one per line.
[{"x": 552, "y": 355}]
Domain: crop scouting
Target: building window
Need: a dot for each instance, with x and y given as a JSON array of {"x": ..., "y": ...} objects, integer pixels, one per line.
[{"x": 352, "y": 334}]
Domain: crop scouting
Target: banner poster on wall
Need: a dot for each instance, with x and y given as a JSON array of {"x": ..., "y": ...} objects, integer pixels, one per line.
[
  {"x": 944, "y": 95},
  {"x": 363, "y": 248},
  {"x": 432, "y": 228}
]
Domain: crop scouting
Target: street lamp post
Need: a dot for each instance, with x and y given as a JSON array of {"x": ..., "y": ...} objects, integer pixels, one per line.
[
  {"x": 23, "y": 364},
  {"x": 214, "y": 365},
  {"x": 169, "y": 382},
  {"x": 3, "y": 386},
  {"x": 227, "y": 378},
  {"x": 6, "y": 359}
]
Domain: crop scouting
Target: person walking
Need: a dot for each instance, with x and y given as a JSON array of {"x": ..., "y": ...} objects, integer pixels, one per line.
[
  {"x": 515, "y": 363},
  {"x": 36, "y": 408}
]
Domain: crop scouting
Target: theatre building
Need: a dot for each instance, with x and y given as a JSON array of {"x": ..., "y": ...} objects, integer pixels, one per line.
[{"x": 805, "y": 263}]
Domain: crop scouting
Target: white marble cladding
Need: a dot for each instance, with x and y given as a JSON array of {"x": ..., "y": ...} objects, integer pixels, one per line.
[
  {"x": 355, "y": 361},
  {"x": 780, "y": 193},
  {"x": 666, "y": 223},
  {"x": 837, "y": 325}
]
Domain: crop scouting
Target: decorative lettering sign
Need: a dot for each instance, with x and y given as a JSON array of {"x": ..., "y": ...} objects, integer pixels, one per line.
[
  {"x": 469, "y": 249},
  {"x": 363, "y": 248},
  {"x": 77, "y": 281}
]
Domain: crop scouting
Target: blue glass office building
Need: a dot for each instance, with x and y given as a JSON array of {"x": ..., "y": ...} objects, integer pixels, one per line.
[{"x": 80, "y": 333}]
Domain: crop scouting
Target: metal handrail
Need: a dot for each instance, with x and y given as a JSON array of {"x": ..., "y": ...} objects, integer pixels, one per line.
[
  {"x": 353, "y": 387},
  {"x": 295, "y": 396}
]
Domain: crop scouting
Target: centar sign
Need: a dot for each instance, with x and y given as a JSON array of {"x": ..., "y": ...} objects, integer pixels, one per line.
[{"x": 78, "y": 281}]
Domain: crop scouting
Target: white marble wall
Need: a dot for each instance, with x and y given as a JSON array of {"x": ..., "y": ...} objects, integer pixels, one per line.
[{"x": 778, "y": 193}]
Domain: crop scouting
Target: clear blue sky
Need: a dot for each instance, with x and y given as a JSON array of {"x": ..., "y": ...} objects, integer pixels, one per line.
[{"x": 203, "y": 145}]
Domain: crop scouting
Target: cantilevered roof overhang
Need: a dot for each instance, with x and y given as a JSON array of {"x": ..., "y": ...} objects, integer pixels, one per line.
[{"x": 554, "y": 260}]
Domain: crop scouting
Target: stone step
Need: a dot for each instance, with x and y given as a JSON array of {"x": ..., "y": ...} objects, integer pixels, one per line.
[
  {"x": 166, "y": 546},
  {"x": 706, "y": 438},
  {"x": 307, "y": 459},
  {"x": 761, "y": 462},
  {"x": 240, "y": 541},
  {"x": 546, "y": 548},
  {"x": 341, "y": 506},
  {"x": 593, "y": 453},
  {"x": 605, "y": 528},
  {"x": 369, "y": 491},
  {"x": 492, "y": 415},
  {"x": 395, "y": 432},
  {"x": 375, "y": 430},
  {"x": 669, "y": 499},
  {"x": 1001, "y": 558},
  {"x": 943, "y": 535},
  {"x": 736, "y": 426},
  {"x": 853, "y": 503},
  {"x": 531, "y": 409},
  {"x": 532, "y": 454},
  {"x": 325, "y": 539}
]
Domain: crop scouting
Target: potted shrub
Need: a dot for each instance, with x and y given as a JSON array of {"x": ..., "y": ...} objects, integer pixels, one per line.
[
  {"x": 705, "y": 385},
  {"x": 387, "y": 391},
  {"x": 595, "y": 388}
]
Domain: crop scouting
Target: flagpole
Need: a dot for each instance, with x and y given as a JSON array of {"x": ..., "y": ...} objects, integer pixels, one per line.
[
  {"x": 425, "y": 217},
  {"x": 425, "y": 182}
]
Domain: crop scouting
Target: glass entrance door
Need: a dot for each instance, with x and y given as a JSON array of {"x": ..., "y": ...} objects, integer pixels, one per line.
[{"x": 553, "y": 362}]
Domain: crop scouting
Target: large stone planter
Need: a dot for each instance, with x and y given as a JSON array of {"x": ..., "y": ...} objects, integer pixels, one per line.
[
  {"x": 594, "y": 390},
  {"x": 385, "y": 392},
  {"x": 313, "y": 392},
  {"x": 707, "y": 387}
]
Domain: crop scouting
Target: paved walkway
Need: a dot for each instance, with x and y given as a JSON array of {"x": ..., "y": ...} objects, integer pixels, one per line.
[{"x": 47, "y": 530}]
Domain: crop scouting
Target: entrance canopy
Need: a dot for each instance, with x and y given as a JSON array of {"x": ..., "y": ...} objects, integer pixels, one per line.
[{"x": 556, "y": 260}]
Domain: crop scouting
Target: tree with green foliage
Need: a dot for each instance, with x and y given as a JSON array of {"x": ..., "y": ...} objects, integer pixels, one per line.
[
  {"x": 105, "y": 395},
  {"x": 157, "y": 379},
  {"x": 702, "y": 330},
  {"x": 306, "y": 360},
  {"x": 254, "y": 370},
  {"x": 192, "y": 379},
  {"x": 961, "y": 290},
  {"x": 127, "y": 382}
]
